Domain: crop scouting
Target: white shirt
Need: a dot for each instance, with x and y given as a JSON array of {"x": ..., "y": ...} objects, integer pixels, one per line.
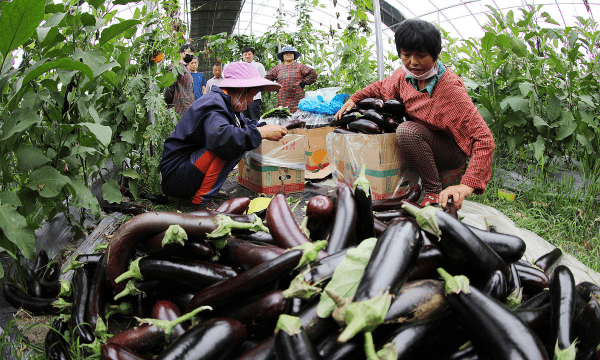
[
  {"x": 262, "y": 72},
  {"x": 213, "y": 81}
]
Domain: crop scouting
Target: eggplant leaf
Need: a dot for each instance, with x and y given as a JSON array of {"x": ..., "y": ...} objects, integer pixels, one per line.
[{"x": 347, "y": 276}]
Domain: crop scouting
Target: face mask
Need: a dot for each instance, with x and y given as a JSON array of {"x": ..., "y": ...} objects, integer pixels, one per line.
[
  {"x": 430, "y": 73},
  {"x": 188, "y": 58}
]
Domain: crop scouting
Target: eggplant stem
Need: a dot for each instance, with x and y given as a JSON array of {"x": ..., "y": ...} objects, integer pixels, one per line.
[
  {"x": 168, "y": 326},
  {"x": 130, "y": 289},
  {"x": 310, "y": 252},
  {"x": 134, "y": 271},
  {"x": 74, "y": 264},
  {"x": 123, "y": 308},
  {"x": 370, "y": 347},
  {"x": 454, "y": 284},
  {"x": 362, "y": 181},
  {"x": 225, "y": 224}
]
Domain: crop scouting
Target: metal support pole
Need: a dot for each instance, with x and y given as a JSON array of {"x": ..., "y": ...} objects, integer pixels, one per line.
[
  {"x": 378, "y": 41},
  {"x": 280, "y": 14},
  {"x": 251, "y": 15}
]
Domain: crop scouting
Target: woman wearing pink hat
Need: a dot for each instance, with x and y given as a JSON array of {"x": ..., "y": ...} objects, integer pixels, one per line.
[{"x": 212, "y": 136}]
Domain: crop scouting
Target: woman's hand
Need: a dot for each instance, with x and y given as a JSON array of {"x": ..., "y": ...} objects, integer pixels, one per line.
[
  {"x": 347, "y": 106},
  {"x": 458, "y": 193},
  {"x": 272, "y": 132}
]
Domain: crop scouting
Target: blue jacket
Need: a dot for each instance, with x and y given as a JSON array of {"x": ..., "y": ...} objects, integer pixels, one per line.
[{"x": 211, "y": 123}]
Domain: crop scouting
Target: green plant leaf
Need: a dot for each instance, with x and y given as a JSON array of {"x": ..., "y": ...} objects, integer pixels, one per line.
[
  {"x": 83, "y": 197},
  {"x": 539, "y": 146},
  {"x": 88, "y": 19},
  {"x": 54, "y": 20},
  {"x": 30, "y": 158},
  {"x": 22, "y": 120},
  {"x": 18, "y": 21},
  {"x": 514, "y": 119},
  {"x": 516, "y": 103},
  {"x": 518, "y": 47},
  {"x": 111, "y": 77},
  {"x": 95, "y": 60},
  {"x": 96, "y": 3},
  {"x": 101, "y": 132},
  {"x": 538, "y": 121},
  {"x": 586, "y": 143},
  {"x": 567, "y": 125},
  {"x": 47, "y": 181},
  {"x": 346, "y": 276},
  {"x": 114, "y": 30},
  {"x": 111, "y": 191},
  {"x": 487, "y": 42},
  {"x": 166, "y": 79},
  {"x": 130, "y": 173},
  {"x": 554, "y": 108},
  {"x": 15, "y": 228},
  {"x": 9, "y": 198},
  {"x": 525, "y": 88}
]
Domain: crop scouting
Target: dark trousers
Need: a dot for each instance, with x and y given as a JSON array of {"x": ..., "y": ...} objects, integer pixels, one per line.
[
  {"x": 254, "y": 110},
  {"x": 428, "y": 152},
  {"x": 200, "y": 178}
]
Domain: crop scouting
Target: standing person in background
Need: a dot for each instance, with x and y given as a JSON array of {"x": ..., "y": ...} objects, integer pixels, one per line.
[
  {"x": 199, "y": 79},
  {"x": 216, "y": 80},
  {"x": 183, "y": 94},
  {"x": 445, "y": 129},
  {"x": 254, "y": 109},
  {"x": 292, "y": 76}
]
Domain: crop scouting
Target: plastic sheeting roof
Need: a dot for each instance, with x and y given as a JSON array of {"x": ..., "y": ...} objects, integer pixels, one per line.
[{"x": 461, "y": 18}]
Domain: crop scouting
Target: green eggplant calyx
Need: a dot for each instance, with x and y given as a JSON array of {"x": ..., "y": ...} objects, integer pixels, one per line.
[
  {"x": 425, "y": 218},
  {"x": 65, "y": 288},
  {"x": 300, "y": 288},
  {"x": 123, "y": 308},
  {"x": 388, "y": 352},
  {"x": 74, "y": 264},
  {"x": 310, "y": 252},
  {"x": 339, "y": 313},
  {"x": 365, "y": 315},
  {"x": 289, "y": 324},
  {"x": 101, "y": 331},
  {"x": 565, "y": 354},
  {"x": 362, "y": 180},
  {"x": 175, "y": 234},
  {"x": 515, "y": 298},
  {"x": 130, "y": 289},
  {"x": 134, "y": 271},
  {"x": 455, "y": 284},
  {"x": 225, "y": 224},
  {"x": 169, "y": 326},
  {"x": 61, "y": 304}
]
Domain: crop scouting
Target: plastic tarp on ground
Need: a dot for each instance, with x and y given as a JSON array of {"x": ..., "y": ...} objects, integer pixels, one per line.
[{"x": 477, "y": 215}]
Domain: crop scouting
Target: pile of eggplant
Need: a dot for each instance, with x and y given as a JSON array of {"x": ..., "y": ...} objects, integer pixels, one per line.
[
  {"x": 228, "y": 285},
  {"x": 371, "y": 116}
]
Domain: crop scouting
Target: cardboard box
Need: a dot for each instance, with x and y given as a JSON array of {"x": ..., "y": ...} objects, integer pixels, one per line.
[
  {"x": 386, "y": 171},
  {"x": 315, "y": 147},
  {"x": 389, "y": 175},
  {"x": 274, "y": 166}
]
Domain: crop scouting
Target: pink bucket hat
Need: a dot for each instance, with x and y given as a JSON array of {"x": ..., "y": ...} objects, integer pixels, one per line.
[{"x": 242, "y": 75}]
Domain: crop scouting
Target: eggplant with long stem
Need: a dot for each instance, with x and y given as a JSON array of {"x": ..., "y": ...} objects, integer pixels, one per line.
[{"x": 395, "y": 252}]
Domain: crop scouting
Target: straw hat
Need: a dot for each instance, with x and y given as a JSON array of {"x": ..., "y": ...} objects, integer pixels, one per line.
[
  {"x": 288, "y": 49},
  {"x": 243, "y": 75}
]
